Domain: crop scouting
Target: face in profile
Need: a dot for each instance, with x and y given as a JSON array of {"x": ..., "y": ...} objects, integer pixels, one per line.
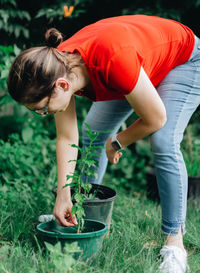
[{"x": 58, "y": 101}]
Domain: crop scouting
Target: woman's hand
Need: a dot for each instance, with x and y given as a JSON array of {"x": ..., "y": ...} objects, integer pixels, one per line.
[
  {"x": 112, "y": 155},
  {"x": 62, "y": 211}
]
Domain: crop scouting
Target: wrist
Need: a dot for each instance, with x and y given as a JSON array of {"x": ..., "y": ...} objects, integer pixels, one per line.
[
  {"x": 64, "y": 191},
  {"x": 115, "y": 143},
  {"x": 60, "y": 198}
]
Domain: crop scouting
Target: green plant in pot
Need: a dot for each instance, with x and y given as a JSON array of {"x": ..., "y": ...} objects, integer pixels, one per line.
[
  {"x": 91, "y": 201},
  {"x": 89, "y": 233},
  {"x": 86, "y": 166}
]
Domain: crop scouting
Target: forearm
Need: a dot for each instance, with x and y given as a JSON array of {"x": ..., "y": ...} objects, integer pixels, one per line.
[
  {"x": 138, "y": 130},
  {"x": 67, "y": 134},
  {"x": 65, "y": 153}
]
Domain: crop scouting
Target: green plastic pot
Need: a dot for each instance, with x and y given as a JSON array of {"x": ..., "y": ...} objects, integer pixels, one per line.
[
  {"x": 99, "y": 209},
  {"x": 89, "y": 240}
]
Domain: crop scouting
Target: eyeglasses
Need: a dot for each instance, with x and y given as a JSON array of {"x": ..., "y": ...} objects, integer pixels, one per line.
[{"x": 44, "y": 111}]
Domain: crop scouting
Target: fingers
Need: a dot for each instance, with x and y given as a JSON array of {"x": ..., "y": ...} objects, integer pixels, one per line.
[
  {"x": 62, "y": 221},
  {"x": 112, "y": 155},
  {"x": 73, "y": 219},
  {"x": 62, "y": 212},
  {"x": 58, "y": 221},
  {"x": 116, "y": 157},
  {"x": 67, "y": 220}
]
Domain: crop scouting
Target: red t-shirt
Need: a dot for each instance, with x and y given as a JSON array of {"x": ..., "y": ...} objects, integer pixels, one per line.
[{"x": 114, "y": 50}]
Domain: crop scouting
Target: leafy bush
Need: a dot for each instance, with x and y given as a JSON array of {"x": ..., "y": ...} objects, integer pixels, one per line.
[
  {"x": 13, "y": 20},
  {"x": 28, "y": 160},
  {"x": 156, "y": 10},
  {"x": 191, "y": 151},
  {"x": 27, "y": 176},
  {"x": 131, "y": 170},
  {"x": 58, "y": 10},
  {"x": 7, "y": 54},
  {"x": 62, "y": 261}
]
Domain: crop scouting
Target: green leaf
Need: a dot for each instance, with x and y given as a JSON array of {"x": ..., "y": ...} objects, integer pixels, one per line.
[
  {"x": 5, "y": 99},
  {"x": 73, "y": 210},
  {"x": 27, "y": 134},
  {"x": 69, "y": 176},
  {"x": 77, "y": 147},
  {"x": 5, "y": 17},
  {"x": 97, "y": 147},
  {"x": 4, "y": 73},
  {"x": 80, "y": 213},
  {"x": 79, "y": 198},
  {"x": 71, "y": 248},
  {"x": 87, "y": 187},
  {"x": 26, "y": 33},
  {"x": 52, "y": 248},
  {"x": 89, "y": 162},
  {"x": 69, "y": 184},
  {"x": 72, "y": 160},
  {"x": 17, "y": 32}
]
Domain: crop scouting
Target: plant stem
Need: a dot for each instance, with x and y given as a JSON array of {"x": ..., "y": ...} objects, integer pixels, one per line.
[{"x": 79, "y": 226}]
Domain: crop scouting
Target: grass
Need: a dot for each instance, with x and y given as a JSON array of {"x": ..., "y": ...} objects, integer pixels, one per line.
[{"x": 132, "y": 246}]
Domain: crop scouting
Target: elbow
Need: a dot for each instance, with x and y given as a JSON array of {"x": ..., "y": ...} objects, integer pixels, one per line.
[
  {"x": 161, "y": 117},
  {"x": 164, "y": 121},
  {"x": 157, "y": 123},
  {"x": 161, "y": 121}
]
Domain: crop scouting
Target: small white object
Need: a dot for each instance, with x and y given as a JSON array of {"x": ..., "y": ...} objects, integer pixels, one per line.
[{"x": 46, "y": 218}]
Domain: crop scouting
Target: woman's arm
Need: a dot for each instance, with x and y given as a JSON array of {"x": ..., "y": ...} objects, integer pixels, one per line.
[
  {"x": 151, "y": 111},
  {"x": 67, "y": 134}
]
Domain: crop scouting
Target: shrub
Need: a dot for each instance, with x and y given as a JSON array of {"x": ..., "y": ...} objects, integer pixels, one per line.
[
  {"x": 13, "y": 20},
  {"x": 191, "y": 151}
]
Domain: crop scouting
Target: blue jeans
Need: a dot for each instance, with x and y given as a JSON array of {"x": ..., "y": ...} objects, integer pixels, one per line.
[{"x": 180, "y": 93}]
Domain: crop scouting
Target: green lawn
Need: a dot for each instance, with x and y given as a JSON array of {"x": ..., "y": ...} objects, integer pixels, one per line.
[{"x": 133, "y": 243}]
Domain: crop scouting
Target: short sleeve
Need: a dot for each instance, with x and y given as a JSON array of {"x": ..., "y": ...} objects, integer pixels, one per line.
[{"x": 123, "y": 70}]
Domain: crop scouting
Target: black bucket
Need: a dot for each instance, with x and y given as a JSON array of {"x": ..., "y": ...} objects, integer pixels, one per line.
[
  {"x": 100, "y": 208},
  {"x": 194, "y": 187}
]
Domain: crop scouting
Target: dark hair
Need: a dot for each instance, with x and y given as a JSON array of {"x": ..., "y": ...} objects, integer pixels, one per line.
[
  {"x": 34, "y": 71},
  {"x": 53, "y": 37}
]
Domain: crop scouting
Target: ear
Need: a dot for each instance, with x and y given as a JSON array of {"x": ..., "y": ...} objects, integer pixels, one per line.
[{"x": 63, "y": 83}]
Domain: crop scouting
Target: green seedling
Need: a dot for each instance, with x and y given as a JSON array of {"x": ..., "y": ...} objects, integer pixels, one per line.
[{"x": 85, "y": 169}]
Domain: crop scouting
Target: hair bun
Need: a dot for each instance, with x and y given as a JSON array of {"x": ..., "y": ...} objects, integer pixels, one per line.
[{"x": 53, "y": 37}]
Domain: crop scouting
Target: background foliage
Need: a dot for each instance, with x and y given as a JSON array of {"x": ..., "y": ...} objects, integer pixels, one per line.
[
  {"x": 23, "y": 24},
  {"x": 27, "y": 146}
]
